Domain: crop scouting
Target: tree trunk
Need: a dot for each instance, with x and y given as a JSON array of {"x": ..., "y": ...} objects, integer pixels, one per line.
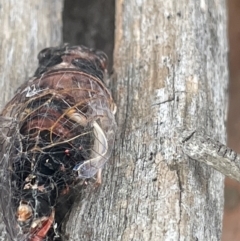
[
  {"x": 26, "y": 28},
  {"x": 170, "y": 73}
]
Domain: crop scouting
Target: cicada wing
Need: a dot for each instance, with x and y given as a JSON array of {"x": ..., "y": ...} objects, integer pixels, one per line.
[
  {"x": 8, "y": 141},
  {"x": 7, "y": 129}
]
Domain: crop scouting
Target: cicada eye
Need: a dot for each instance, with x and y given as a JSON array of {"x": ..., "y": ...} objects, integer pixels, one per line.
[
  {"x": 58, "y": 129},
  {"x": 24, "y": 212},
  {"x": 102, "y": 58}
]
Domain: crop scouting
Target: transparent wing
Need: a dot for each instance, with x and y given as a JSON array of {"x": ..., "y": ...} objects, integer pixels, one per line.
[
  {"x": 104, "y": 129},
  {"x": 9, "y": 142}
]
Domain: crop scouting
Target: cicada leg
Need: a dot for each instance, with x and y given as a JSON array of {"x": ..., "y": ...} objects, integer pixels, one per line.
[
  {"x": 98, "y": 178},
  {"x": 41, "y": 234}
]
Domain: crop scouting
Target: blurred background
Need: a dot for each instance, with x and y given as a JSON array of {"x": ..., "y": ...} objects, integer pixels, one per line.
[
  {"x": 231, "y": 221},
  {"x": 91, "y": 23}
]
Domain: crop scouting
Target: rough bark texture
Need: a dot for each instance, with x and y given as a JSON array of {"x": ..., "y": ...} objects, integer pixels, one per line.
[
  {"x": 26, "y": 28},
  {"x": 170, "y": 67}
]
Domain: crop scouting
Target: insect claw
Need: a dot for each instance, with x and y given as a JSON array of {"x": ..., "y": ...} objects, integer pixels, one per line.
[
  {"x": 98, "y": 178},
  {"x": 41, "y": 234}
]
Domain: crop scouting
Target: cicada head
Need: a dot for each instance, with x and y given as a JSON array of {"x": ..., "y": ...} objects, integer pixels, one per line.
[{"x": 90, "y": 61}]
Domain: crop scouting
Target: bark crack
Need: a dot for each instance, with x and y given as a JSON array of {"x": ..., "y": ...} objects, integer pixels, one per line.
[
  {"x": 188, "y": 137},
  {"x": 163, "y": 102}
]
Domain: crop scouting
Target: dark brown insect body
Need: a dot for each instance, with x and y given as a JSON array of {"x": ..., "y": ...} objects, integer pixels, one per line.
[{"x": 58, "y": 128}]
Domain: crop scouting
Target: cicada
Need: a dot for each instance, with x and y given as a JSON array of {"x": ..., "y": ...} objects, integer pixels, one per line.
[{"x": 58, "y": 128}]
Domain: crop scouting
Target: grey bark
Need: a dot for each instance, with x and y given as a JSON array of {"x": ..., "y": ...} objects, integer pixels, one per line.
[
  {"x": 170, "y": 72},
  {"x": 26, "y": 28}
]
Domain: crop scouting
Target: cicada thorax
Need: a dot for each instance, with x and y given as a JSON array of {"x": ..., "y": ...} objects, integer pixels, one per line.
[{"x": 65, "y": 131}]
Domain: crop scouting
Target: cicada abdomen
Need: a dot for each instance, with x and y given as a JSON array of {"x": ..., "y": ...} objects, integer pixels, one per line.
[{"x": 59, "y": 127}]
